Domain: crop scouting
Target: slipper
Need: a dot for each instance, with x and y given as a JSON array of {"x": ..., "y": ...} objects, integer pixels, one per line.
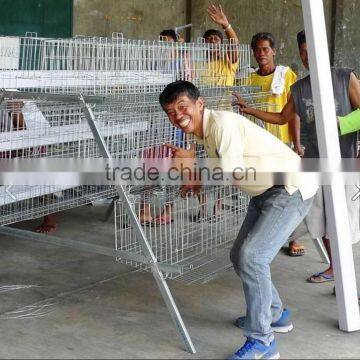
[
  {"x": 295, "y": 251},
  {"x": 320, "y": 278},
  {"x": 46, "y": 229}
]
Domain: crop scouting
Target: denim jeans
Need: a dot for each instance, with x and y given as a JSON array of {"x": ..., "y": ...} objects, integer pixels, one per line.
[{"x": 270, "y": 220}]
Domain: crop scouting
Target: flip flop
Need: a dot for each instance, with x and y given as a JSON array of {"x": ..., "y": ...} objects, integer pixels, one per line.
[{"x": 319, "y": 278}]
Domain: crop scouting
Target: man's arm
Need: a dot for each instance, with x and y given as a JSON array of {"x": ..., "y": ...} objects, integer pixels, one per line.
[
  {"x": 354, "y": 91},
  {"x": 351, "y": 123},
  {"x": 287, "y": 114},
  {"x": 218, "y": 17},
  {"x": 294, "y": 126}
]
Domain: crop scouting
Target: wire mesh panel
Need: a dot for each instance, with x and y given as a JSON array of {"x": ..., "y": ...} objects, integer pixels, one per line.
[
  {"x": 103, "y": 66},
  {"x": 129, "y": 75},
  {"x": 20, "y": 202},
  {"x": 87, "y": 98},
  {"x": 197, "y": 232},
  {"x": 133, "y": 125}
]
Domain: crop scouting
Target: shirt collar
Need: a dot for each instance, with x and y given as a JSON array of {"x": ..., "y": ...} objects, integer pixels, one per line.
[{"x": 206, "y": 119}]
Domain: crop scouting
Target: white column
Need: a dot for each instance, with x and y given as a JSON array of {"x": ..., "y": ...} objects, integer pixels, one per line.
[{"x": 327, "y": 133}]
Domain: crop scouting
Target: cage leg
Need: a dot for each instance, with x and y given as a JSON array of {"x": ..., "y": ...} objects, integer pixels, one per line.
[
  {"x": 110, "y": 209},
  {"x": 158, "y": 276},
  {"x": 148, "y": 253}
]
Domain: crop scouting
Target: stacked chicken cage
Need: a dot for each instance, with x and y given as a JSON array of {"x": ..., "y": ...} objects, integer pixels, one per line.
[{"x": 88, "y": 98}]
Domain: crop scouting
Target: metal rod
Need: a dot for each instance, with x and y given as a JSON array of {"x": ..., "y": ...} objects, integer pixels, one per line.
[
  {"x": 90, "y": 117},
  {"x": 83, "y": 246},
  {"x": 7, "y": 94},
  {"x": 159, "y": 278},
  {"x": 321, "y": 250}
]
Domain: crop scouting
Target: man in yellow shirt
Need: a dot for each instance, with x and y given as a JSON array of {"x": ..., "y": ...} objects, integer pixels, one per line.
[
  {"x": 274, "y": 79},
  {"x": 277, "y": 80},
  {"x": 221, "y": 66}
]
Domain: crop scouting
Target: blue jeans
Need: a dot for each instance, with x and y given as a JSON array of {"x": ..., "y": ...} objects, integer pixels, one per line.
[{"x": 270, "y": 220}]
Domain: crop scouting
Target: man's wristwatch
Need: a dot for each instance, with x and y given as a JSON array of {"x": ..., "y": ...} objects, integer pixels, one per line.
[{"x": 227, "y": 27}]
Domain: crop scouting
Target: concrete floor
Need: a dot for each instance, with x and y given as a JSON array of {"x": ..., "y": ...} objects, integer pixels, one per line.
[{"x": 89, "y": 306}]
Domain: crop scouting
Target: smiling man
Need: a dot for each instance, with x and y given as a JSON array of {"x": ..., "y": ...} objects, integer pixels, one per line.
[{"x": 273, "y": 213}]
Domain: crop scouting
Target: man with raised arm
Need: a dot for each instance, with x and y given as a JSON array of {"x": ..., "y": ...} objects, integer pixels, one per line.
[{"x": 221, "y": 65}]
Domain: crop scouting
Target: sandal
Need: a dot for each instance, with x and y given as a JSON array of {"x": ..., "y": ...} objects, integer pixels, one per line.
[
  {"x": 296, "y": 250},
  {"x": 319, "y": 278}
]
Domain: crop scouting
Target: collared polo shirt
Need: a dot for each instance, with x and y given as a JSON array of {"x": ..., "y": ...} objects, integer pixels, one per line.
[{"x": 240, "y": 143}]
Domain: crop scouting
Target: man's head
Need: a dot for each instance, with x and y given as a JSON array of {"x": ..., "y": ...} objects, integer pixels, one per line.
[
  {"x": 263, "y": 46},
  {"x": 213, "y": 36},
  {"x": 301, "y": 40},
  {"x": 169, "y": 35},
  {"x": 184, "y": 106}
]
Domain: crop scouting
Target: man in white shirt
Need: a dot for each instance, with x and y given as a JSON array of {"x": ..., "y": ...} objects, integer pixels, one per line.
[{"x": 273, "y": 213}]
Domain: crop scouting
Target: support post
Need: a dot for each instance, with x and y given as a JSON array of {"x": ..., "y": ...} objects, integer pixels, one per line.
[{"x": 327, "y": 133}]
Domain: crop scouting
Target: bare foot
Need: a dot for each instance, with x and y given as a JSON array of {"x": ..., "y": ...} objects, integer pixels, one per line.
[
  {"x": 48, "y": 226},
  {"x": 166, "y": 216},
  {"x": 145, "y": 215}
]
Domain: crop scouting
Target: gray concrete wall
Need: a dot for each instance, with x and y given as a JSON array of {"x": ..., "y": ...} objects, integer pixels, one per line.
[
  {"x": 144, "y": 19},
  {"x": 136, "y": 19},
  {"x": 283, "y": 18},
  {"x": 347, "y": 34}
]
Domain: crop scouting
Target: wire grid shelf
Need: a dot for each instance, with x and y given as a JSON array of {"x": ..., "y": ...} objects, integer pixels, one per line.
[
  {"x": 133, "y": 126},
  {"x": 107, "y": 66},
  {"x": 129, "y": 75}
]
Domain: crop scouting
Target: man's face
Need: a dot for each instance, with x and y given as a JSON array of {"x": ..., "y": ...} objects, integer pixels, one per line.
[
  {"x": 264, "y": 53},
  {"x": 304, "y": 55},
  {"x": 213, "y": 39},
  {"x": 167, "y": 38},
  {"x": 186, "y": 114}
]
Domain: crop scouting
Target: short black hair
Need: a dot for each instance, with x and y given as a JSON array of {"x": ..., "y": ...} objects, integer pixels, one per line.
[
  {"x": 301, "y": 38},
  {"x": 211, "y": 32},
  {"x": 171, "y": 33},
  {"x": 263, "y": 36},
  {"x": 174, "y": 90}
]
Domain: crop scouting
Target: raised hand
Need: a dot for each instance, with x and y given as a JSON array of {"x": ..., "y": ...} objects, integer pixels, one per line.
[{"x": 217, "y": 15}]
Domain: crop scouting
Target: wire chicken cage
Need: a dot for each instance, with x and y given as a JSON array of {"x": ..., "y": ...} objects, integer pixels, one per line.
[
  {"x": 103, "y": 66},
  {"x": 89, "y": 98},
  {"x": 196, "y": 238}
]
